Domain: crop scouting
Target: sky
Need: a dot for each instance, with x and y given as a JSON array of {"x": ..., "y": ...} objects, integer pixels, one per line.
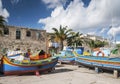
[{"x": 95, "y": 17}]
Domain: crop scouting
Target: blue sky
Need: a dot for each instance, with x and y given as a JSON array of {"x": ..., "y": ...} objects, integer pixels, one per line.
[
  {"x": 86, "y": 16},
  {"x": 27, "y": 13}
]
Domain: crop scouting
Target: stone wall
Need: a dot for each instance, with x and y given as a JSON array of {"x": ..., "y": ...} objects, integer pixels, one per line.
[{"x": 37, "y": 40}]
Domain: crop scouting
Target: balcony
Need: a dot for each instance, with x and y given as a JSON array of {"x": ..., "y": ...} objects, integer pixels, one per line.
[{"x": 53, "y": 44}]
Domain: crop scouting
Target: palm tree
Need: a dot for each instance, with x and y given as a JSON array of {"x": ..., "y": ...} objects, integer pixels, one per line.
[
  {"x": 92, "y": 44},
  {"x": 2, "y": 23},
  {"x": 75, "y": 39},
  {"x": 95, "y": 44},
  {"x": 89, "y": 43},
  {"x": 61, "y": 35}
]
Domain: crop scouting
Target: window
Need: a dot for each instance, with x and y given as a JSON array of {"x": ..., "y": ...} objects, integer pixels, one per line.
[
  {"x": 28, "y": 33},
  {"x": 38, "y": 35},
  {"x": 6, "y": 31},
  {"x": 18, "y": 34}
]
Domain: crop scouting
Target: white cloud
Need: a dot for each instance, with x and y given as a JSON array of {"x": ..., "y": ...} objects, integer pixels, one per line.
[
  {"x": 99, "y": 13},
  {"x": 114, "y": 31},
  {"x": 103, "y": 30},
  {"x": 118, "y": 42},
  {"x": 54, "y": 3},
  {"x": 3, "y": 11}
]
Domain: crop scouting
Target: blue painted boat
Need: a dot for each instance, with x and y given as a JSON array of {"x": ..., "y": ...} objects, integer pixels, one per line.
[
  {"x": 12, "y": 67},
  {"x": 66, "y": 56},
  {"x": 98, "y": 61}
]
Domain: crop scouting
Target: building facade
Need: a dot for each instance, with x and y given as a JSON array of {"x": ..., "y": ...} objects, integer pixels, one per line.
[
  {"x": 13, "y": 38},
  {"x": 52, "y": 45}
]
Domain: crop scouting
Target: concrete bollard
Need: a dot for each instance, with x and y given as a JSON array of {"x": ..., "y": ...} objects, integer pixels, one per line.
[
  {"x": 115, "y": 73},
  {"x": 96, "y": 69},
  {"x": 60, "y": 62}
]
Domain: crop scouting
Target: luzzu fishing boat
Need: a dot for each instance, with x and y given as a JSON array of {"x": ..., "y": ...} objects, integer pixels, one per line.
[
  {"x": 68, "y": 54},
  {"x": 101, "y": 62},
  {"x": 11, "y": 67},
  {"x": 100, "y": 59}
]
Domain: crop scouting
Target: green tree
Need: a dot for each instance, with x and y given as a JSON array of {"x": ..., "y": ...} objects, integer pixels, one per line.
[
  {"x": 91, "y": 43},
  {"x": 99, "y": 43},
  {"x": 95, "y": 44},
  {"x": 118, "y": 45},
  {"x": 75, "y": 39},
  {"x": 2, "y": 23},
  {"x": 61, "y": 34}
]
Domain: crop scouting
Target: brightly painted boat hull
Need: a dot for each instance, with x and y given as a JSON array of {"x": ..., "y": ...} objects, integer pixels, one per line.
[
  {"x": 101, "y": 62},
  {"x": 67, "y": 59},
  {"x": 66, "y": 56},
  {"x": 9, "y": 68}
]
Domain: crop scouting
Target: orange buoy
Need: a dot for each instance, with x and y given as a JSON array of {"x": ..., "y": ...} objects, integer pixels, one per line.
[{"x": 100, "y": 52}]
